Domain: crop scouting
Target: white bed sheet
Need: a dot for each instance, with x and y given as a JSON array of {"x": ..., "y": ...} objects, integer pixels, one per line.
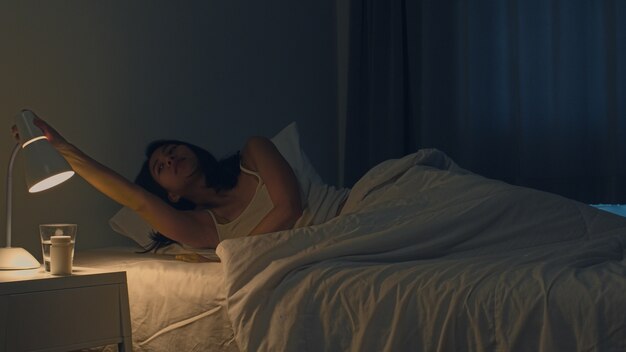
[{"x": 174, "y": 305}]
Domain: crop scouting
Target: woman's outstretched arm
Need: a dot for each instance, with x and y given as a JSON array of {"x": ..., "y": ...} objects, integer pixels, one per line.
[
  {"x": 99, "y": 176},
  {"x": 194, "y": 228}
]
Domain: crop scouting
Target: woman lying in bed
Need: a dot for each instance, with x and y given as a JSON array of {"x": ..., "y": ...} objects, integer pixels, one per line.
[{"x": 189, "y": 197}]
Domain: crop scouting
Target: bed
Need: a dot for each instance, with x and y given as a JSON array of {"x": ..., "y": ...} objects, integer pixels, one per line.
[{"x": 425, "y": 256}]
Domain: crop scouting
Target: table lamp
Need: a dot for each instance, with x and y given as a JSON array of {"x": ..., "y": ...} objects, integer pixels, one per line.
[{"x": 44, "y": 168}]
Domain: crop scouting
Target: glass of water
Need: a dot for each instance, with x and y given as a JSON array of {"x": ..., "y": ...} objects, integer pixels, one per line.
[{"x": 48, "y": 230}]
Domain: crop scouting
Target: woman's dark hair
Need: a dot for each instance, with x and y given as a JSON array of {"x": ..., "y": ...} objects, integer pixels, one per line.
[{"x": 220, "y": 175}]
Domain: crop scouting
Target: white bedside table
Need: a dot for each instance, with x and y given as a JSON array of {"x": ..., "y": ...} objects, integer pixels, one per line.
[{"x": 42, "y": 312}]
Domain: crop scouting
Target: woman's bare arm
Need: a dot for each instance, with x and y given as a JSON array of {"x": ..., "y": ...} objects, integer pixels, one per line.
[
  {"x": 194, "y": 228},
  {"x": 261, "y": 155}
]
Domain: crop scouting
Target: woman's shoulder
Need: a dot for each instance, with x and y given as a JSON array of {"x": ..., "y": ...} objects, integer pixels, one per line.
[
  {"x": 254, "y": 150},
  {"x": 257, "y": 142}
]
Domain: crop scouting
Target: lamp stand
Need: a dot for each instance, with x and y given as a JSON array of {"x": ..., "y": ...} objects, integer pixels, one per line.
[{"x": 14, "y": 258}]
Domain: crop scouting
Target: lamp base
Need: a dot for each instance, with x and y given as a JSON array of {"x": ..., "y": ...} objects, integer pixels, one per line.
[{"x": 15, "y": 258}]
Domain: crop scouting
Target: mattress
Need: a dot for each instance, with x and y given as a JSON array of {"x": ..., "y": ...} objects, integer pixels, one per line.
[{"x": 174, "y": 305}]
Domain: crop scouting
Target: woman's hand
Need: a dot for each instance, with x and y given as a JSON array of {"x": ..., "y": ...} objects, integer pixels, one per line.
[
  {"x": 49, "y": 132},
  {"x": 15, "y": 133}
]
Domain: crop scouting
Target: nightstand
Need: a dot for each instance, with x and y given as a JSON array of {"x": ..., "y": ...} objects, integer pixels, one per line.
[{"x": 42, "y": 312}]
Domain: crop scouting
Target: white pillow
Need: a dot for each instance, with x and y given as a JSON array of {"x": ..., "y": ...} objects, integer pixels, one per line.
[
  {"x": 287, "y": 141},
  {"x": 130, "y": 224}
]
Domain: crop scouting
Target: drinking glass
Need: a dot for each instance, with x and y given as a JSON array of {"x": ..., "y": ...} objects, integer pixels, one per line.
[{"x": 48, "y": 230}]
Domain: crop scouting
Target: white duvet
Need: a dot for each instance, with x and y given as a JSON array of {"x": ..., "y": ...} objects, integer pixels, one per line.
[{"x": 429, "y": 257}]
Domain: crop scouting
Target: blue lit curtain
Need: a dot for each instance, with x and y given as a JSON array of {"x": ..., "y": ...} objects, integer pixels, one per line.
[{"x": 531, "y": 92}]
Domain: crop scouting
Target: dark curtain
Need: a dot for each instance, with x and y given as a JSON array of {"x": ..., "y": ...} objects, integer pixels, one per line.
[{"x": 531, "y": 92}]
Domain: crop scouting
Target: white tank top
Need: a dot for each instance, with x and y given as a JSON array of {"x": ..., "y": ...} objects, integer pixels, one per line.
[
  {"x": 255, "y": 211},
  {"x": 320, "y": 203}
]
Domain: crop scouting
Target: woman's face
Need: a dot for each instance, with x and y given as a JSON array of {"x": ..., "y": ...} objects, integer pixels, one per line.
[{"x": 172, "y": 166}]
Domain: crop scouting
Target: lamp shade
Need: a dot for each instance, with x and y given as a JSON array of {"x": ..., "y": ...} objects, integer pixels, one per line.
[{"x": 44, "y": 167}]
